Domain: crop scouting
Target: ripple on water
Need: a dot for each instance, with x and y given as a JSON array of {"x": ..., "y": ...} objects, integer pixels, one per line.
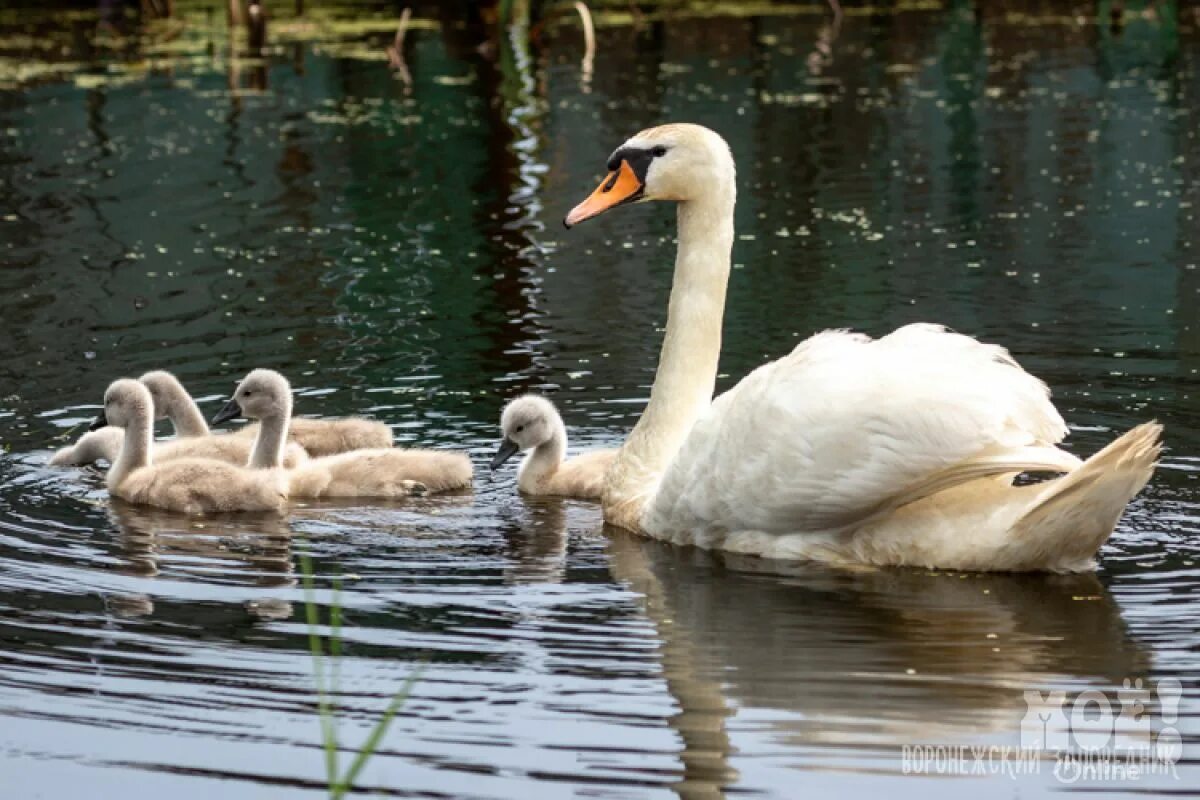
[{"x": 396, "y": 251}]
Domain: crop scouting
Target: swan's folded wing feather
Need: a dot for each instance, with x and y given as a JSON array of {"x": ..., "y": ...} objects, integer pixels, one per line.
[{"x": 825, "y": 436}]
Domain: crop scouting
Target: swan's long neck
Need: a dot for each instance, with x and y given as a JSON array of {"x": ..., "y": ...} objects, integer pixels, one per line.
[
  {"x": 272, "y": 437},
  {"x": 544, "y": 460},
  {"x": 185, "y": 415},
  {"x": 687, "y": 367},
  {"x": 135, "y": 448}
]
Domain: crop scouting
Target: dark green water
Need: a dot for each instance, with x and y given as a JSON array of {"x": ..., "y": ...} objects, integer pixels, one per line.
[{"x": 397, "y": 251}]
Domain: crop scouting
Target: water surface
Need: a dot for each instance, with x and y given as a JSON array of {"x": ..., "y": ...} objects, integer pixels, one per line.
[{"x": 396, "y": 250}]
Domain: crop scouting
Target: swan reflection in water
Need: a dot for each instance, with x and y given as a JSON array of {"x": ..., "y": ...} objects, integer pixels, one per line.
[
  {"x": 813, "y": 660},
  {"x": 869, "y": 658},
  {"x": 250, "y": 550}
]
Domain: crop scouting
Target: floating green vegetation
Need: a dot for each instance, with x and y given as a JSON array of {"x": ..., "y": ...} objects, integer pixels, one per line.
[
  {"x": 339, "y": 782},
  {"x": 42, "y": 45},
  {"x": 45, "y": 45},
  {"x": 321, "y": 26},
  {"x": 619, "y": 14},
  {"x": 17, "y": 71},
  {"x": 794, "y": 99}
]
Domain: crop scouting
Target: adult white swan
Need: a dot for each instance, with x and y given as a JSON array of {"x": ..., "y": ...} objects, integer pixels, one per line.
[{"x": 894, "y": 451}]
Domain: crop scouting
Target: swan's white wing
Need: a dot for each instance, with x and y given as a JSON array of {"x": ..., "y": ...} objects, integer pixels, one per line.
[{"x": 821, "y": 438}]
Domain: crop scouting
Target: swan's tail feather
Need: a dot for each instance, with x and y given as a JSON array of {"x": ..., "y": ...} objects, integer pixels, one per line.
[
  {"x": 1008, "y": 463},
  {"x": 1076, "y": 513}
]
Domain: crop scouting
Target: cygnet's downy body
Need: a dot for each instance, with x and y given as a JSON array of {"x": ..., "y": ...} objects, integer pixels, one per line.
[
  {"x": 99, "y": 445},
  {"x": 532, "y": 423},
  {"x": 265, "y": 395},
  {"x": 318, "y": 437},
  {"x": 328, "y": 437},
  {"x": 189, "y": 485}
]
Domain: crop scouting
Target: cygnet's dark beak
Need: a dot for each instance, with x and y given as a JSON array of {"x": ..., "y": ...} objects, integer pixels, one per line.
[
  {"x": 230, "y": 410},
  {"x": 508, "y": 449},
  {"x": 101, "y": 421}
]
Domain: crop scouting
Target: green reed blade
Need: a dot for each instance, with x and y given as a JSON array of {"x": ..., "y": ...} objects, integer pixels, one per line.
[
  {"x": 376, "y": 736},
  {"x": 324, "y": 710}
]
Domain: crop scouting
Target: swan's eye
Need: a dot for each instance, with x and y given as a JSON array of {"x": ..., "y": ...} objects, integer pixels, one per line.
[{"x": 659, "y": 151}]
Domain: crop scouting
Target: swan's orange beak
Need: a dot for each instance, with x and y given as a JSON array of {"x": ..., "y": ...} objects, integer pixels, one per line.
[{"x": 621, "y": 186}]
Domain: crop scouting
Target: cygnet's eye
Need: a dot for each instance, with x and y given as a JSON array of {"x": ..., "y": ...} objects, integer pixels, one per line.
[
  {"x": 520, "y": 428},
  {"x": 247, "y": 393}
]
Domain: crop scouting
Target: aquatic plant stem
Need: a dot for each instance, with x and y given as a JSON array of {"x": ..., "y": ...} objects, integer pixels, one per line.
[
  {"x": 589, "y": 41},
  {"x": 340, "y": 785},
  {"x": 324, "y": 710},
  {"x": 395, "y": 52},
  {"x": 375, "y": 736},
  {"x": 335, "y": 669}
]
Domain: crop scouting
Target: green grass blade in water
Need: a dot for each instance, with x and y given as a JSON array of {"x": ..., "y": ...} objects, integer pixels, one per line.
[
  {"x": 376, "y": 736},
  {"x": 324, "y": 709}
]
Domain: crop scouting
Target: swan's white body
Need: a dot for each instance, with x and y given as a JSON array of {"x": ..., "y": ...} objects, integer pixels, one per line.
[{"x": 896, "y": 451}]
